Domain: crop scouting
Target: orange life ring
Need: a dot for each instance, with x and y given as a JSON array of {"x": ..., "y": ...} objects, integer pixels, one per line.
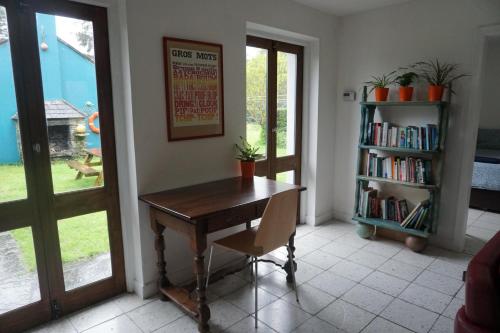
[{"x": 93, "y": 128}]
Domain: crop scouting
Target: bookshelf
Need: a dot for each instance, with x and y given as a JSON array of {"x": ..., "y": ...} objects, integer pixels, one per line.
[{"x": 364, "y": 180}]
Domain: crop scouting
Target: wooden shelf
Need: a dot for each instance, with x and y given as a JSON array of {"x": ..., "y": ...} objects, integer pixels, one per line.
[
  {"x": 429, "y": 187},
  {"x": 400, "y": 150},
  {"x": 392, "y": 225},
  {"x": 404, "y": 104}
]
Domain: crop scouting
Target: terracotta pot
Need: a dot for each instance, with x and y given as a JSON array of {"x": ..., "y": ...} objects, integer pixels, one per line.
[
  {"x": 405, "y": 94},
  {"x": 435, "y": 93},
  {"x": 381, "y": 94},
  {"x": 247, "y": 169}
]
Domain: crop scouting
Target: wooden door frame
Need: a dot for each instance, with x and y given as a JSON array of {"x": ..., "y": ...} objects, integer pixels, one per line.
[
  {"x": 49, "y": 207},
  {"x": 273, "y": 164}
]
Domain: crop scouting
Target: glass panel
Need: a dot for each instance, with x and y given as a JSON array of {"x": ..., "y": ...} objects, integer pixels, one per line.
[
  {"x": 18, "y": 272},
  {"x": 85, "y": 253},
  {"x": 286, "y": 177},
  {"x": 256, "y": 87},
  {"x": 287, "y": 83},
  {"x": 12, "y": 174},
  {"x": 66, "y": 48}
]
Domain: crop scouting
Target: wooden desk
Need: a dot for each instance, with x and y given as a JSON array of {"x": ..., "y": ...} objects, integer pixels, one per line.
[{"x": 196, "y": 211}]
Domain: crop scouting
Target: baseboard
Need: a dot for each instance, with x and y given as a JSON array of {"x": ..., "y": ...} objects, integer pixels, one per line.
[
  {"x": 146, "y": 290},
  {"x": 342, "y": 216},
  {"x": 322, "y": 218}
]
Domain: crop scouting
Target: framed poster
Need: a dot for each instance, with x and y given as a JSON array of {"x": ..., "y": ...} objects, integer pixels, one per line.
[{"x": 194, "y": 89}]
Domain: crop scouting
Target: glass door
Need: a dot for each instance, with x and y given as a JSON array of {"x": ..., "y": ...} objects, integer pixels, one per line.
[
  {"x": 68, "y": 123},
  {"x": 274, "y": 106}
]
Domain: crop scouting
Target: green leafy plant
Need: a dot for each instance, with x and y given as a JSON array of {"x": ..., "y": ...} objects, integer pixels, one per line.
[
  {"x": 247, "y": 152},
  {"x": 406, "y": 78},
  {"x": 438, "y": 73},
  {"x": 382, "y": 81}
]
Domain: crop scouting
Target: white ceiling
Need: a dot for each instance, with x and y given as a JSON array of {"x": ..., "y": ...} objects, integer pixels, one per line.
[{"x": 347, "y": 7}]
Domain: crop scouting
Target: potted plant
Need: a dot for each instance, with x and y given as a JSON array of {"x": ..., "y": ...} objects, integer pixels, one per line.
[
  {"x": 380, "y": 85},
  {"x": 247, "y": 154},
  {"x": 439, "y": 75},
  {"x": 404, "y": 81}
]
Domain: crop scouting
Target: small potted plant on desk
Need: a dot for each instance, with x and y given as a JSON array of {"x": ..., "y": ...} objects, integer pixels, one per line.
[
  {"x": 439, "y": 75},
  {"x": 380, "y": 85},
  {"x": 404, "y": 81},
  {"x": 247, "y": 154}
]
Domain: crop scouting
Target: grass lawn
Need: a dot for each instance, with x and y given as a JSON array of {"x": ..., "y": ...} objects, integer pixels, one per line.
[
  {"x": 80, "y": 237},
  {"x": 253, "y": 137}
]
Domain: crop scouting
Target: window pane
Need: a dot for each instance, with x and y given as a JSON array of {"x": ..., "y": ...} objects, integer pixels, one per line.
[
  {"x": 256, "y": 90},
  {"x": 85, "y": 249},
  {"x": 286, "y": 177},
  {"x": 18, "y": 272},
  {"x": 12, "y": 174},
  {"x": 66, "y": 48},
  {"x": 287, "y": 82}
]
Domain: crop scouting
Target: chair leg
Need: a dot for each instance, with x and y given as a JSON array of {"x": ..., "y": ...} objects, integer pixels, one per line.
[
  {"x": 256, "y": 290},
  {"x": 292, "y": 269},
  {"x": 209, "y": 264}
]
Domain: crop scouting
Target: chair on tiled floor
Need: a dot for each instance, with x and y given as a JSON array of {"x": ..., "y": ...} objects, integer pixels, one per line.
[{"x": 277, "y": 225}]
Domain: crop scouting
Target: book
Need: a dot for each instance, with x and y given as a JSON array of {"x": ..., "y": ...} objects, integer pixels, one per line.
[{"x": 413, "y": 137}]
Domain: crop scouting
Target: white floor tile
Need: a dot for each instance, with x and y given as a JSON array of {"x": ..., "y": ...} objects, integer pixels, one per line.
[
  {"x": 315, "y": 325},
  {"x": 227, "y": 285},
  {"x": 311, "y": 300},
  {"x": 461, "y": 293},
  {"x": 282, "y": 316},
  {"x": 400, "y": 269},
  {"x": 353, "y": 240},
  {"x": 346, "y": 317},
  {"x": 117, "y": 324},
  {"x": 413, "y": 258},
  {"x": 380, "y": 325},
  {"x": 367, "y": 259},
  {"x": 332, "y": 284},
  {"x": 460, "y": 259},
  {"x": 439, "y": 282},
  {"x": 480, "y": 233},
  {"x": 224, "y": 315},
  {"x": 445, "y": 268},
  {"x": 427, "y": 298},
  {"x": 339, "y": 249},
  {"x": 311, "y": 241},
  {"x": 58, "y": 326},
  {"x": 184, "y": 324},
  {"x": 473, "y": 244},
  {"x": 244, "y": 298},
  {"x": 385, "y": 283},
  {"x": 130, "y": 301},
  {"x": 247, "y": 325},
  {"x": 491, "y": 217},
  {"x": 385, "y": 249},
  {"x": 275, "y": 283},
  {"x": 154, "y": 315},
  {"x": 474, "y": 214},
  {"x": 321, "y": 259},
  {"x": 443, "y": 325},
  {"x": 368, "y": 299},
  {"x": 94, "y": 315},
  {"x": 452, "y": 308},
  {"x": 303, "y": 229},
  {"x": 351, "y": 270},
  {"x": 410, "y": 316},
  {"x": 306, "y": 272}
]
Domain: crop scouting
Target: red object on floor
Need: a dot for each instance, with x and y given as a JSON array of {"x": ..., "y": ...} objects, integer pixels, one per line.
[{"x": 481, "y": 312}]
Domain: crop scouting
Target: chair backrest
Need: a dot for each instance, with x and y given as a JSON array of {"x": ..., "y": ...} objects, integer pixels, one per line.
[{"x": 278, "y": 221}]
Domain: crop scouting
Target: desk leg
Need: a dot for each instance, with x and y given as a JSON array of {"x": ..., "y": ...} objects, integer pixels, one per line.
[
  {"x": 291, "y": 243},
  {"x": 163, "y": 281},
  {"x": 199, "y": 244}
]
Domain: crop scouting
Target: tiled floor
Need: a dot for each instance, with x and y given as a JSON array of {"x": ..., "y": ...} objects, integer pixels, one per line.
[
  {"x": 481, "y": 227},
  {"x": 347, "y": 284}
]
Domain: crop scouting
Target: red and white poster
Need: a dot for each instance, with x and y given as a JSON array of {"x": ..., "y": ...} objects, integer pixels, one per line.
[{"x": 194, "y": 89}]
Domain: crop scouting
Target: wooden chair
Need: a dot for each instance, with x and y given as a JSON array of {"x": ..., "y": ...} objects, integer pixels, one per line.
[{"x": 277, "y": 225}]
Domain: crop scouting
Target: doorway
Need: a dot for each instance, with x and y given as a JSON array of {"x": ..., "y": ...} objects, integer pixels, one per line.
[
  {"x": 274, "y": 84},
  {"x": 60, "y": 235}
]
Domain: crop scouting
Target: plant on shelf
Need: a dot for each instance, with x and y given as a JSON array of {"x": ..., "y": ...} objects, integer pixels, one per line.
[
  {"x": 404, "y": 80},
  {"x": 247, "y": 154},
  {"x": 380, "y": 85},
  {"x": 439, "y": 75}
]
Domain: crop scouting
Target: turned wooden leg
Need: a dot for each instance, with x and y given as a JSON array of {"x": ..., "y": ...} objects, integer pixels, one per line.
[
  {"x": 199, "y": 244},
  {"x": 163, "y": 281},
  {"x": 287, "y": 268}
]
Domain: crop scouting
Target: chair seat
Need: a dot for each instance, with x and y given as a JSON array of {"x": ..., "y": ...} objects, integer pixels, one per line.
[{"x": 242, "y": 242}]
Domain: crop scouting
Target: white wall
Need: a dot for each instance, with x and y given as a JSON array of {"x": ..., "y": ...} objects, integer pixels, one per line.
[
  {"x": 379, "y": 41},
  {"x": 490, "y": 109},
  {"x": 162, "y": 165}
]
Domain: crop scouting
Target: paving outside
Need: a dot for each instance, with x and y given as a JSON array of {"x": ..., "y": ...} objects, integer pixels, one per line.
[
  {"x": 346, "y": 284},
  {"x": 19, "y": 286}
]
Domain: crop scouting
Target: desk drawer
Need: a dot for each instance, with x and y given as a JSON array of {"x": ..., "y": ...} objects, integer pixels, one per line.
[
  {"x": 260, "y": 207},
  {"x": 231, "y": 218}
]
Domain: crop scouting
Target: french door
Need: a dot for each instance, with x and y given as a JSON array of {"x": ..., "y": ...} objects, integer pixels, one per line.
[
  {"x": 274, "y": 73},
  {"x": 60, "y": 236}
]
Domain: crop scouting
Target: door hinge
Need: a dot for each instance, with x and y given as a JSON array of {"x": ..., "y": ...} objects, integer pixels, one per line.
[{"x": 55, "y": 308}]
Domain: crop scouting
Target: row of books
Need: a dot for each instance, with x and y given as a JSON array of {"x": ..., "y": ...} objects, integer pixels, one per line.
[
  {"x": 406, "y": 169},
  {"x": 371, "y": 206},
  {"x": 413, "y": 137}
]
